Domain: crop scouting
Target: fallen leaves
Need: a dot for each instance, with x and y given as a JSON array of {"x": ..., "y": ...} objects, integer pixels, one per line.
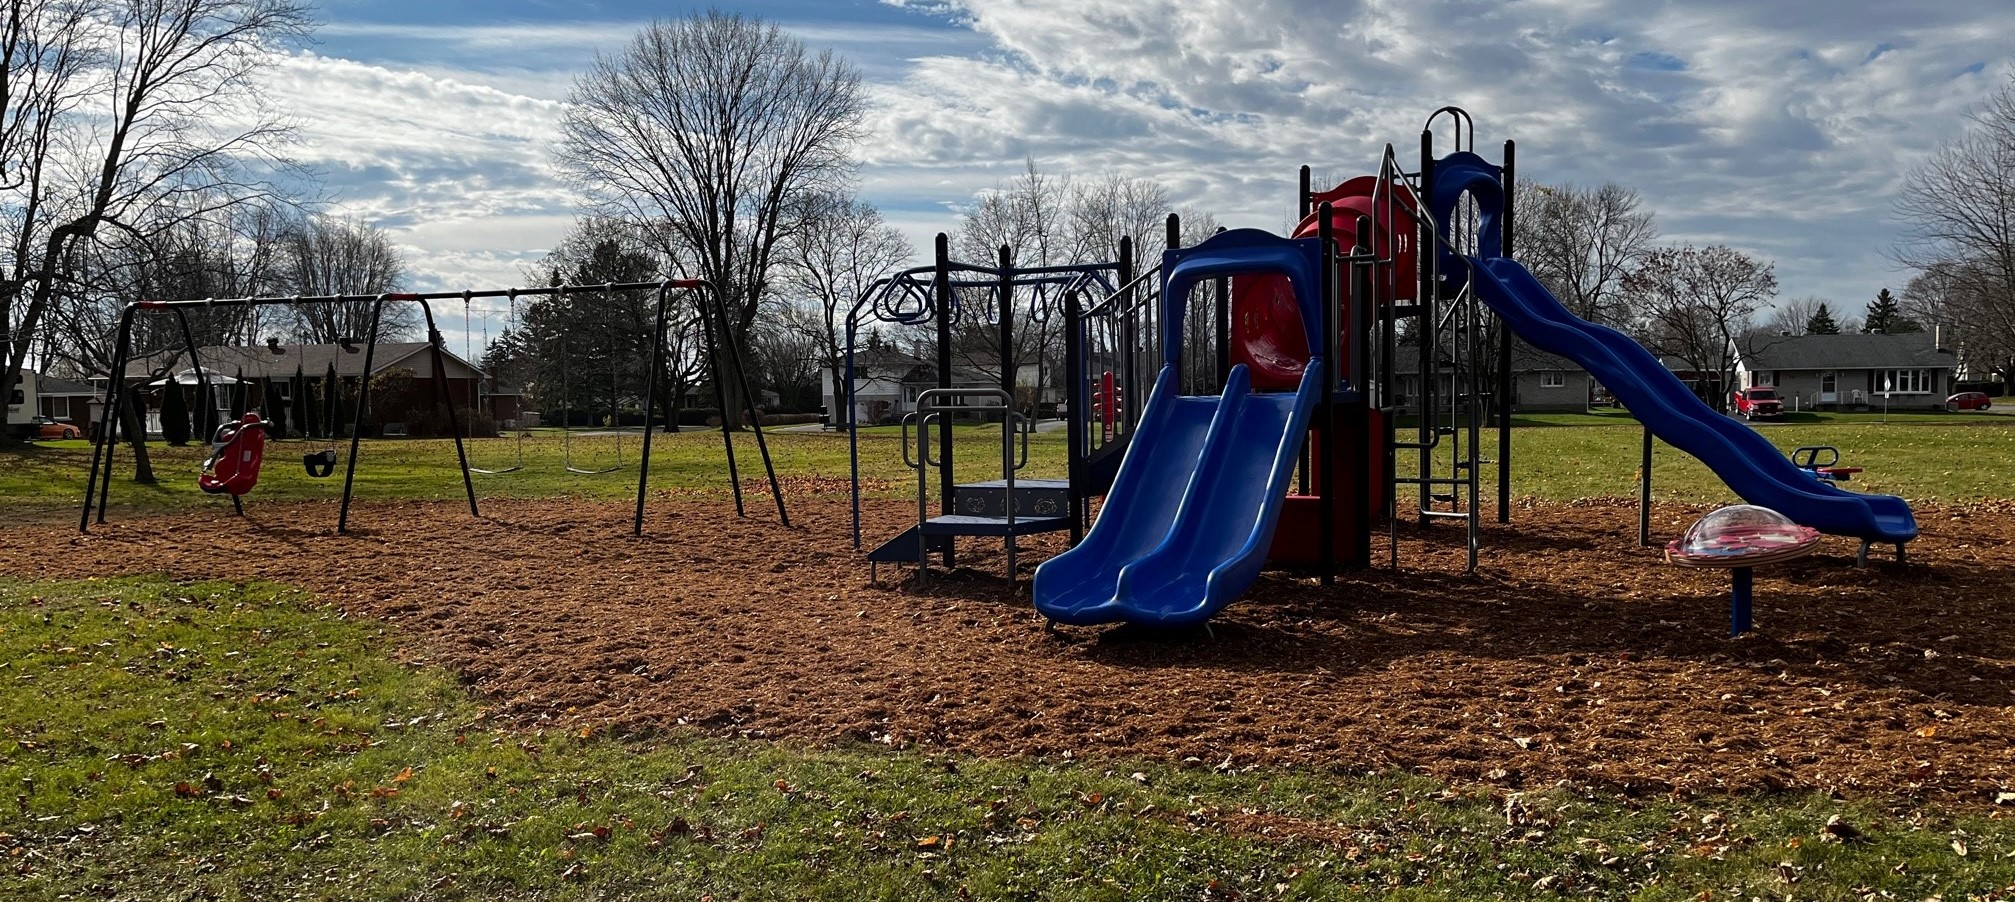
[{"x": 1840, "y": 831}]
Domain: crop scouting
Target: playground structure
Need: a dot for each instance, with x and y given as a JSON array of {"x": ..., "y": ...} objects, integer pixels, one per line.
[
  {"x": 941, "y": 297},
  {"x": 1284, "y": 452},
  {"x": 234, "y": 477}
]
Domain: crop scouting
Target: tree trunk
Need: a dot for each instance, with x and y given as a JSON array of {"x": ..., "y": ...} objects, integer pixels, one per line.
[
  {"x": 133, "y": 422},
  {"x": 838, "y": 415},
  {"x": 728, "y": 379}
]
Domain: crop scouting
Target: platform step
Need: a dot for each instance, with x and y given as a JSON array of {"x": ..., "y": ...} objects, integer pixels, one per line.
[
  {"x": 904, "y": 548},
  {"x": 970, "y": 525},
  {"x": 1032, "y": 498}
]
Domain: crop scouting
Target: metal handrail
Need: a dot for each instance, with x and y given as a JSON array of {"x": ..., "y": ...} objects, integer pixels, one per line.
[
  {"x": 926, "y": 401},
  {"x": 923, "y": 428},
  {"x": 1106, "y": 307},
  {"x": 1014, "y": 419}
]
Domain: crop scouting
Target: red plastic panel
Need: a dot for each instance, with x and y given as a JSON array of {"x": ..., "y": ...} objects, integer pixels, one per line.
[{"x": 1266, "y": 333}]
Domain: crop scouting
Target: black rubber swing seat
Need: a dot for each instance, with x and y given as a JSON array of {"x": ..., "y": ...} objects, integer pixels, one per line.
[{"x": 319, "y": 463}]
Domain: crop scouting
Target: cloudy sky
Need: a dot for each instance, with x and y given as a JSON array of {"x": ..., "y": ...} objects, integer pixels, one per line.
[{"x": 1783, "y": 128}]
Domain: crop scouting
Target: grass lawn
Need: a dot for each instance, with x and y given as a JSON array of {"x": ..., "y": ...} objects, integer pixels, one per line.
[
  {"x": 220, "y": 741},
  {"x": 51, "y": 474},
  {"x": 1920, "y": 456}
]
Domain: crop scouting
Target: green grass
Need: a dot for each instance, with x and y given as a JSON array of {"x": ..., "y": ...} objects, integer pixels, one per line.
[
  {"x": 219, "y": 741},
  {"x": 1921, "y": 456},
  {"x": 1950, "y": 462},
  {"x": 51, "y": 474}
]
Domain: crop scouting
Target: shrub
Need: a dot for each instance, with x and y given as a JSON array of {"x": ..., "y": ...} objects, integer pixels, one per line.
[
  {"x": 699, "y": 416},
  {"x": 432, "y": 422}
]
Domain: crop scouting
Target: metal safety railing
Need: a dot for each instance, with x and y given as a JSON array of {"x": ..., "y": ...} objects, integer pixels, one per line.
[{"x": 933, "y": 409}]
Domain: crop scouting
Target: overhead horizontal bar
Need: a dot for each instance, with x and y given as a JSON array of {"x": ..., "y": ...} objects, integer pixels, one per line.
[{"x": 424, "y": 296}]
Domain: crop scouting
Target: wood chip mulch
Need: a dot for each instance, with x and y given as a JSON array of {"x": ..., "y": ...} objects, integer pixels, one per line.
[{"x": 1572, "y": 654}]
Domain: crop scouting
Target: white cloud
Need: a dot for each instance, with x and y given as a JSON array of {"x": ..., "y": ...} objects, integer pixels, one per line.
[
  {"x": 459, "y": 173},
  {"x": 1779, "y": 127}
]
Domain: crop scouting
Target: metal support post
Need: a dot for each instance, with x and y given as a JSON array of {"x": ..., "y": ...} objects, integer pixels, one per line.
[{"x": 1644, "y": 494}]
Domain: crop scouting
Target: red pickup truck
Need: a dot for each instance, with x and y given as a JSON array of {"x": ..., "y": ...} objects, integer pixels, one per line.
[{"x": 1758, "y": 402}]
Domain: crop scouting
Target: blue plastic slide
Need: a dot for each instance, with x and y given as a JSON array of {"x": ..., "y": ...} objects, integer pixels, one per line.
[
  {"x": 1745, "y": 460},
  {"x": 1189, "y": 520}
]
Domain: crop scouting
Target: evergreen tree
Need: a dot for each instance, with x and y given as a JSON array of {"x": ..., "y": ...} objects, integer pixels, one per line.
[
  {"x": 304, "y": 422},
  {"x": 174, "y": 414},
  {"x": 1883, "y": 312},
  {"x": 203, "y": 405},
  {"x": 238, "y": 398},
  {"x": 332, "y": 392},
  {"x": 256, "y": 401},
  {"x": 1822, "y": 322}
]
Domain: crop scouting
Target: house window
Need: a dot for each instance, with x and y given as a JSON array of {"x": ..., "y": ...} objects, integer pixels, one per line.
[
  {"x": 1553, "y": 379},
  {"x": 1904, "y": 382}
]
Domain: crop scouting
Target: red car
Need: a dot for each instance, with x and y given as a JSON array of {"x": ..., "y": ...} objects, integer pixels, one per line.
[
  {"x": 1968, "y": 400},
  {"x": 47, "y": 428}
]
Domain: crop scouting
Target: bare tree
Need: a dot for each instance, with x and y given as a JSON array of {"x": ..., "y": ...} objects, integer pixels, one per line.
[
  {"x": 785, "y": 352},
  {"x": 708, "y": 127},
  {"x": 1046, "y": 220},
  {"x": 115, "y": 107},
  {"x": 840, "y": 248},
  {"x": 1693, "y": 304},
  {"x": 1029, "y": 216},
  {"x": 226, "y": 252},
  {"x": 1581, "y": 243},
  {"x": 326, "y": 255},
  {"x": 1199, "y": 324},
  {"x": 1112, "y": 206},
  {"x": 1792, "y": 317},
  {"x": 1959, "y": 206},
  {"x": 1964, "y": 303}
]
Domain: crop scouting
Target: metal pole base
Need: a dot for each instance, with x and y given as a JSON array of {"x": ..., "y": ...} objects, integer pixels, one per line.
[{"x": 1739, "y": 608}]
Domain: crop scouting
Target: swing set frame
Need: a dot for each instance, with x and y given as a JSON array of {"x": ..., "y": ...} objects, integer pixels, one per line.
[{"x": 98, "y": 487}]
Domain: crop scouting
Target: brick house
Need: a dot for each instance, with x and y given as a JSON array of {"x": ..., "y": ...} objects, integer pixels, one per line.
[{"x": 271, "y": 369}]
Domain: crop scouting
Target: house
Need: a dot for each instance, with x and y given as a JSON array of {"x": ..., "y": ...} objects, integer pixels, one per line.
[
  {"x": 888, "y": 381},
  {"x": 1541, "y": 382},
  {"x": 270, "y": 369},
  {"x": 1849, "y": 371},
  {"x": 64, "y": 399}
]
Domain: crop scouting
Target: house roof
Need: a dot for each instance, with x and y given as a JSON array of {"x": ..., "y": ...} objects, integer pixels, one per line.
[
  {"x": 1846, "y": 352},
  {"x": 259, "y": 362},
  {"x": 57, "y": 386},
  {"x": 886, "y": 358}
]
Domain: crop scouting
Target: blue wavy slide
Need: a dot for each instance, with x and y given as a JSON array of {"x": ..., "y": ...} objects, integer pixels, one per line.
[
  {"x": 1745, "y": 460},
  {"x": 1186, "y": 527}
]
